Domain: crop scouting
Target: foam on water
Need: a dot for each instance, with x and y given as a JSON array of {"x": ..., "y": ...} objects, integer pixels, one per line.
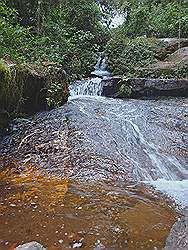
[
  {"x": 90, "y": 87},
  {"x": 94, "y": 85},
  {"x": 177, "y": 190}
]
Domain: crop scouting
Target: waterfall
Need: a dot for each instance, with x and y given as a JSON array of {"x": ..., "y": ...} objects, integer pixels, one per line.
[{"x": 93, "y": 85}]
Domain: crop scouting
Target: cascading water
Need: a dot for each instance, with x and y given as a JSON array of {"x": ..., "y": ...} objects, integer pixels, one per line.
[
  {"x": 160, "y": 170},
  {"x": 91, "y": 86},
  {"x": 98, "y": 157}
]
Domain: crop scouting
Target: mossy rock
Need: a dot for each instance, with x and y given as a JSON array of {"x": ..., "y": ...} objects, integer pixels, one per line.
[
  {"x": 174, "y": 66},
  {"x": 25, "y": 89},
  {"x": 169, "y": 46}
]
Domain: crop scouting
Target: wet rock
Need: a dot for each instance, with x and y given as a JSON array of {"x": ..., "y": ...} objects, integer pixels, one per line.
[
  {"x": 31, "y": 246},
  {"x": 178, "y": 238},
  {"x": 111, "y": 86},
  {"x": 138, "y": 87}
]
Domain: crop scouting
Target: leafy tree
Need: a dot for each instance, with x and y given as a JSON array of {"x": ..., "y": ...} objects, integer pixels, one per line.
[{"x": 154, "y": 17}]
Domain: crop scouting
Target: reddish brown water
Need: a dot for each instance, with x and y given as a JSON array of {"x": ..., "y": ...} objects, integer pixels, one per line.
[{"x": 60, "y": 213}]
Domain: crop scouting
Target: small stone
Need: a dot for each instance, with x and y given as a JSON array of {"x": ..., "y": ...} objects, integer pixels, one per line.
[
  {"x": 77, "y": 245},
  {"x": 60, "y": 241},
  {"x": 12, "y": 205},
  {"x": 31, "y": 246}
]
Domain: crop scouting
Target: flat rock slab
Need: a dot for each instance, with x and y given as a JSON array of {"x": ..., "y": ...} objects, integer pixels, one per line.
[
  {"x": 31, "y": 246},
  {"x": 145, "y": 87},
  {"x": 178, "y": 238}
]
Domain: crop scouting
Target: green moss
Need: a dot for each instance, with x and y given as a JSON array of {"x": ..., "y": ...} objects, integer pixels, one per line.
[
  {"x": 125, "y": 90},
  {"x": 28, "y": 89}
]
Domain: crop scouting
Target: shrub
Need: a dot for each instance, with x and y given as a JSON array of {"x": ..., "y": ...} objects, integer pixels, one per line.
[{"x": 126, "y": 54}]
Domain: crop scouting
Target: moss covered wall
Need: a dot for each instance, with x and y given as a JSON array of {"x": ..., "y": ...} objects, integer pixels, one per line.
[{"x": 24, "y": 89}]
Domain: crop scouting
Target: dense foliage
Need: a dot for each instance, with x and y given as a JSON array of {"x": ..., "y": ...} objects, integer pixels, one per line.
[
  {"x": 126, "y": 54},
  {"x": 134, "y": 44},
  {"x": 71, "y": 32},
  {"x": 68, "y": 34},
  {"x": 159, "y": 18}
]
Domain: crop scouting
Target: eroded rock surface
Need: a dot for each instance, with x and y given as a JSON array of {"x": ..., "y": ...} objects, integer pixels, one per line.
[{"x": 178, "y": 238}]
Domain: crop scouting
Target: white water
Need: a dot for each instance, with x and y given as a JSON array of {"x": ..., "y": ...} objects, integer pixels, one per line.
[
  {"x": 170, "y": 174},
  {"x": 100, "y": 68},
  {"x": 117, "y": 20},
  {"x": 177, "y": 190},
  {"x": 92, "y": 86}
]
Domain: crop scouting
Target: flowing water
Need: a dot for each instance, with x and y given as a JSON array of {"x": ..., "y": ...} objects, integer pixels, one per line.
[
  {"x": 91, "y": 86},
  {"x": 81, "y": 176}
]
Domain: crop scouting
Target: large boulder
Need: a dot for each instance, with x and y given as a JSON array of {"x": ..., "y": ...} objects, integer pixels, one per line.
[
  {"x": 178, "y": 238},
  {"x": 170, "y": 45},
  {"x": 178, "y": 57},
  {"x": 140, "y": 87},
  {"x": 27, "y": 89},
  {"x": 31, "y": 246},
  {"x": 163, "y": 78},
  {"x": 173, "y": 66}
]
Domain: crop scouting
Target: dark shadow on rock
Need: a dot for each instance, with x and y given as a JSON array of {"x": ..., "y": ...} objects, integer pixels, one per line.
[{"x": 140, "y": 87}]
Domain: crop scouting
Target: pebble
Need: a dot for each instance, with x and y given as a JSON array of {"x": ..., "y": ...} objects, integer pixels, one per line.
[
  {"x": 12, "y": 205},
  {"x": 77, "y": 245}
]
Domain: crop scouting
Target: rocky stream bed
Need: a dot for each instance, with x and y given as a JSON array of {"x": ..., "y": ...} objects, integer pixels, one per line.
[{"x": 97, "y": 173}]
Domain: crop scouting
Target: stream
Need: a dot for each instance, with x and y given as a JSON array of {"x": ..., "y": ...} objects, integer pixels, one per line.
[{"x": 96, "y": 173}]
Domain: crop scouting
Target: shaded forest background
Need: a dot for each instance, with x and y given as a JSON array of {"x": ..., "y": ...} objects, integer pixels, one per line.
[{"x": 71, "y": 32}]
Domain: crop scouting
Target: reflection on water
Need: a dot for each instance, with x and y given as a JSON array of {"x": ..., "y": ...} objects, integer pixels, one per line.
[{"x": 62, "y": 213}]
